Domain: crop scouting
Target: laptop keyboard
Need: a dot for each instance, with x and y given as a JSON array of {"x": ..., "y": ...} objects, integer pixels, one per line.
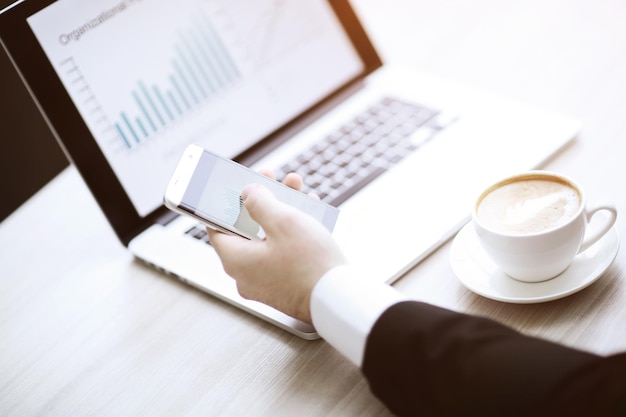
[{"x": 346, "y": 160}]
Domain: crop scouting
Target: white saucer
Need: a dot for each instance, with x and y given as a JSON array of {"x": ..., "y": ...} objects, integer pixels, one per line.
[{"x": 479, "y": 274}]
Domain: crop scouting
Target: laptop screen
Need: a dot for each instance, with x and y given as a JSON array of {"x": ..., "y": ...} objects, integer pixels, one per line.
[
  {"x": 125, "y": 85},
  {"x": 149, "y": 77}
]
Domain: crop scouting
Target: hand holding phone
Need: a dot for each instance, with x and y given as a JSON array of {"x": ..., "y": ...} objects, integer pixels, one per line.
[{"x": 208, "y": 187}]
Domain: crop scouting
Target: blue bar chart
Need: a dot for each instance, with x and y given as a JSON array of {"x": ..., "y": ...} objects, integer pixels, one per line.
[{"x": 200, "y": 68}]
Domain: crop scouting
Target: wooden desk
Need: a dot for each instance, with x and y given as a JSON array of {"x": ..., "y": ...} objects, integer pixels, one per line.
[{"x": 87, "y": 330}]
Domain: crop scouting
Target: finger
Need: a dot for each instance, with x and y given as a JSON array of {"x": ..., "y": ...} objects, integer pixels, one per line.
[
  {"x": 294, "y": 181},
  {"x": 232, "y": 250},
  {"x": 268, "y": 173},
  {"x": 223, "y": 243}
]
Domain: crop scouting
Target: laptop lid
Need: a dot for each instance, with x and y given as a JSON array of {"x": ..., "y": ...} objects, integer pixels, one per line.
[{"x": 126, "y": 85}]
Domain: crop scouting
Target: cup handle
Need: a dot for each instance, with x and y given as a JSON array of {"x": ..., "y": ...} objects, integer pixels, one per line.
[{"x": 598, "y": 232}]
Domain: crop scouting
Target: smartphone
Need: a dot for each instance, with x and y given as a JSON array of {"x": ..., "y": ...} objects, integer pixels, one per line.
[{"x": 208, "y": 187}]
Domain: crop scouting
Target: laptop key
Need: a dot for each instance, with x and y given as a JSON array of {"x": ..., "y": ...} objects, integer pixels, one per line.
[{"x": 362, "y": 182}]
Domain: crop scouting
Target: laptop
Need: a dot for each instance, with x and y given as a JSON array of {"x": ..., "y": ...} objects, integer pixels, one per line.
[{"x": 125, "y": 85}]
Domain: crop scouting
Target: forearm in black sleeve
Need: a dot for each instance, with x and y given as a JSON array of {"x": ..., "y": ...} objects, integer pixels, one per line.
[{"x": 424, "y": 360}]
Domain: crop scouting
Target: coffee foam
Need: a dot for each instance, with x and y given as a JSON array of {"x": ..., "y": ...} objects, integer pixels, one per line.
[{"x": 528, "y": 206}]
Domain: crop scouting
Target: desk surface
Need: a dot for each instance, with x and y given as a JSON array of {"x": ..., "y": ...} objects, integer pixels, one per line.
[{"x": 87, "y": 330}]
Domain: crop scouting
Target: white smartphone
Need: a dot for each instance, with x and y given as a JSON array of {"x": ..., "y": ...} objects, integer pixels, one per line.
[{"x": 208, "y": 187}]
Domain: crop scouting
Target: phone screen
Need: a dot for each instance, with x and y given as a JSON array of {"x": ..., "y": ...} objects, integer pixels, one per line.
[{"x": 214, "y": 193}]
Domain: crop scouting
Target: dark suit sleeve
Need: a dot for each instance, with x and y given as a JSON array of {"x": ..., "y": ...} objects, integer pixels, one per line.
[{"x": 427, "y": 361}]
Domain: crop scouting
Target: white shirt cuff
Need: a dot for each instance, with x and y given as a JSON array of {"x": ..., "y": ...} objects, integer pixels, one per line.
[{"x": 345, "y": 304}]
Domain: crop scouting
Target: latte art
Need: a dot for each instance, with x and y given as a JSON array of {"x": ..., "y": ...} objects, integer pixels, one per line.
[{"x": 528, "y": 206}]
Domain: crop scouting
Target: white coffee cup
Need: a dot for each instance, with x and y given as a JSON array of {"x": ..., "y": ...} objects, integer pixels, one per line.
[{"x": 533, "y": 224}]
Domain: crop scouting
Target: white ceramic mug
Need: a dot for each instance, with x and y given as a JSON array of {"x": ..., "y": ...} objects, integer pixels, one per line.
[{"x": 533, "y": 224}]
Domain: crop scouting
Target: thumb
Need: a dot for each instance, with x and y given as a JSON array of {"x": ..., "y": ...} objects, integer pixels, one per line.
[{"x": 263, "y": 206}]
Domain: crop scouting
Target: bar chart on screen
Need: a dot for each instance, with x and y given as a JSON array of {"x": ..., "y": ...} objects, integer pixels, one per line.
[
  {"x": 141, "y": 72},
  {"x": 150, "y": 77},
  {"x": 198, "y": 68}
]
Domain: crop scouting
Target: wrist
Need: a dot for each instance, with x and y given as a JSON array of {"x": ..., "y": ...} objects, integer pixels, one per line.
[{"x": 345, "y": 304}]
